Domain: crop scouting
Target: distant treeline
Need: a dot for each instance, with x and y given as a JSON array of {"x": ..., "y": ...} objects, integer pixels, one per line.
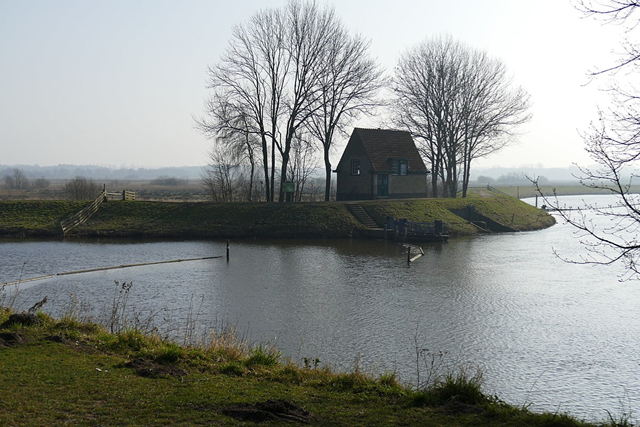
[
  {"x": 497, "y": 175},
  {"x": 102, "y": 172}
]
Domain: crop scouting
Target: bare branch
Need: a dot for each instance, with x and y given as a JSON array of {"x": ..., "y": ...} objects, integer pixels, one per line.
[{"x": 458, "y": 102}]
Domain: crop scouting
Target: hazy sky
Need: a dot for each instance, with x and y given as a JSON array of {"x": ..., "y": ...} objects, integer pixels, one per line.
[{"x": 116, "y": 82}]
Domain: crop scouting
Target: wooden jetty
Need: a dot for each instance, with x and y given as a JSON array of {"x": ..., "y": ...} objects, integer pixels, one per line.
[{"x": 404, "y": 230}]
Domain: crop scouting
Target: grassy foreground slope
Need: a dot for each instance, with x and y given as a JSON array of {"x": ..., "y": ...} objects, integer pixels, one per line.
[
  {"x": 66, "y": 372},
  {"x": 260, "y": 220}
]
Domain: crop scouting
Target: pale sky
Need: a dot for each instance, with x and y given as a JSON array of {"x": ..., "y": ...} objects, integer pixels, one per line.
[{"x": 117, "y": 82}]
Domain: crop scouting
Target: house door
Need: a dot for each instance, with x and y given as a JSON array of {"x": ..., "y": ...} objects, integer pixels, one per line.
[{"x": 383, "y": 185}]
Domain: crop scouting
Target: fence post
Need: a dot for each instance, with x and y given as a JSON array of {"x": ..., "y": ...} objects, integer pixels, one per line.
[
  {"x": 403, "y": 229},
  {"x": 388, "y": 225}
]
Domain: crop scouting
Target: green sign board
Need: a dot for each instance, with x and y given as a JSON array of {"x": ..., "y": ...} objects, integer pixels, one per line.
[{"x": 288, "y": 187}]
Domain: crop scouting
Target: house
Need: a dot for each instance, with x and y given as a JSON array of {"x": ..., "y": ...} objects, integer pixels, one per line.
[{"x": 378, "y": 164}]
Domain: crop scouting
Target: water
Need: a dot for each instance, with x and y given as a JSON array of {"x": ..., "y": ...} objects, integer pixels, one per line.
[{"x": 546, "y": 333}]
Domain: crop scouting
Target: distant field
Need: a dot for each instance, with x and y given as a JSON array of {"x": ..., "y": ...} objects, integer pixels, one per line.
[
  {"x": 145, "y": 190},
  {"x": 194, "y": 191},
  {"x": 525, "y": 191},
  {"x": 190, "y": 191}
]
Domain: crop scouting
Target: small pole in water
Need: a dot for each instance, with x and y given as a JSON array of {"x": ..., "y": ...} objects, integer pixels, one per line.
[
  {"x": 227, "y": 250},
  {"x": 409, "y": 256}
]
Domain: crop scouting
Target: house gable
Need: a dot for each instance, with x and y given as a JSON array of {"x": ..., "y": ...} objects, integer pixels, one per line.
[{"x": 375, "y": 156}]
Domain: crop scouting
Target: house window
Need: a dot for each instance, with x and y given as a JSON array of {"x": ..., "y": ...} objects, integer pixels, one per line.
[
  {"x": 355, "y": 167},
  {"x": 400, "y": 167},
  {"x": 404, "y": 167}
]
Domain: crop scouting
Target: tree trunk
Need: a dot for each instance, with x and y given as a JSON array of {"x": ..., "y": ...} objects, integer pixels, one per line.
[
  {"x": 271, "y": 197},
  {"x": 265, "y": 165},
  {"x": 283, "y": 173},
  {"x": 327, "y": 182}
]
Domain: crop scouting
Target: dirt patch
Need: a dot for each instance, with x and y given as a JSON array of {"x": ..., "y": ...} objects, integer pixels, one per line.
[
  {"x": 271, "y": 410},
  {"x": 12, "y": 339},
  {"x": 73, "y": 343},
  {"x": 149, "y": 369},
  {"x": 26, "y": 319},
  {"x": 457, "y": 408},
  {"x": 58, "y": 339}
]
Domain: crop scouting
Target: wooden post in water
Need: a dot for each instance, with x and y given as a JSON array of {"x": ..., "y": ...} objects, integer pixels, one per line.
[
  {"x": 227, "y": 250},
  {"x": 409, "y": 256},
  {"x": 389, "y": 224}
]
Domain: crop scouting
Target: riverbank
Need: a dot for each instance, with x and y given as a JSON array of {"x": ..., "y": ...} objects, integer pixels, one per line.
[
  {"x": 79, "y": 373},
  {"x": 257, "y": 220}
]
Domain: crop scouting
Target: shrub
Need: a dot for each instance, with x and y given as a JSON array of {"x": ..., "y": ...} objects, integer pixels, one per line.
[
  {"x": 170, "y": 353},
  {"x": 169, "y": 181},
  {"x": 459, "y": 387},
  {"x": 81, "y": 188},
  {"x": 263, "y": 356}
]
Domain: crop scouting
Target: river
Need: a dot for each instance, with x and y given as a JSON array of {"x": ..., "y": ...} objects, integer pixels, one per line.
[{"x": 547, "y": 334}]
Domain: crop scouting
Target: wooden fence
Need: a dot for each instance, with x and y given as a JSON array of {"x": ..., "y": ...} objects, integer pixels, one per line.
[
  {"x": 82, "y": 216},
  {"x": 123, "y": 195}
]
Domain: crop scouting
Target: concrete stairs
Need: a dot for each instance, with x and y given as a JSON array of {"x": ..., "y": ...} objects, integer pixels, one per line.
[{"x": 361, "y": 215}]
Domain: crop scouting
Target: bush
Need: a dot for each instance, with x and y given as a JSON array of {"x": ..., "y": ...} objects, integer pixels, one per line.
[
  {"x": 41, "y": 183},
  {"x": 169, "y": 181},
  {"x": 81, "y": 188},
  {"x": 459, "y": 388},
  {"x": 263, "y": 356}
]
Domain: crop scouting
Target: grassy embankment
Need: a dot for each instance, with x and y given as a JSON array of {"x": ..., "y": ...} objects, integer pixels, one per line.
[
  {"x": 255, "y": 220},
  {"x": 79, "y": 374}
]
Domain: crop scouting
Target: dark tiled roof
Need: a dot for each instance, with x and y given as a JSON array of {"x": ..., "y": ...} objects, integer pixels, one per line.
[{"x": 383, "y": 144}]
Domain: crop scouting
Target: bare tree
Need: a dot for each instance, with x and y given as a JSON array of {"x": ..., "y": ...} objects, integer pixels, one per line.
[
  {"x": 490, "y": 109},
  {"x": 348, "y": 89},
  {"x": 302, "y": 164},
  {"x": 270, "y": 76},
  {"x": 617, "y": 12},
  {"x": 81, "y": 188},
  {"x": 249, "y": 82},
  {"x": 231, "y": 129},
  {"x": 17, "y": 180},
  {"x": 459, "y": 103},
  {"x": 613, "y": 142},
  {"x": 221, "y": 175}
]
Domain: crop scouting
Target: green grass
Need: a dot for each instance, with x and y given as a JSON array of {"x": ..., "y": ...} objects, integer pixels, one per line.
[
  {"x": 65, "y": 372},
  {"x": 36, "y": 215},
  {"x": 256, "y": 220},
  {"x": 508, "y": 211}
]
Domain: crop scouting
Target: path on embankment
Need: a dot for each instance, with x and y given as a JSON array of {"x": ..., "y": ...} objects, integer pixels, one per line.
[{"x": 257, "y": 220}]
